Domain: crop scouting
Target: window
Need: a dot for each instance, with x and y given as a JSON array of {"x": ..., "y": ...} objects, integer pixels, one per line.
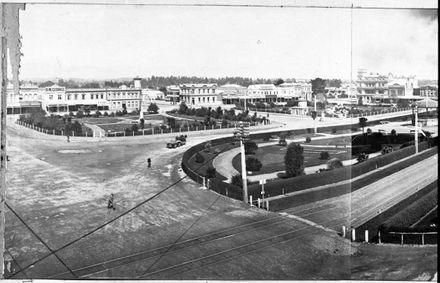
[
  {"x": 59, "y": 97},
  {"x": 83, "y": 96},
  {"x": 68, "y": 97},
  {"x": 102, "y": 96},
  {"x": 51, "y": 97}
]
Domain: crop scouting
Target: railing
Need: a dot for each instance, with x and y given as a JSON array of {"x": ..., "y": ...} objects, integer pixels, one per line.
[
  {"x": 142, "y": 132},
  {"x": 413, "y": 238}
]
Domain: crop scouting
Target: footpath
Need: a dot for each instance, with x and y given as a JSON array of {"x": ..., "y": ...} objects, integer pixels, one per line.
[{"x": 223, "y": 162}]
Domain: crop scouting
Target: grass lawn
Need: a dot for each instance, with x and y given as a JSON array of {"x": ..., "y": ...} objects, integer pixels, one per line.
[
  {"x": 332, "y": 141},
  {"x": 272, "y": 157},
  {"x": 101, "y": 120},
  {"x": 115, "y": 127}
]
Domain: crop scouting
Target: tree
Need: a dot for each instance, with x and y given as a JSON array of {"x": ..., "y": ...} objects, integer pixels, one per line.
[
  {"x": 308, "y": 139},
  {"x": 253, "y": 164},
  {"x": 153, "y": 108},
  {"x": 211, "y": 172},
  {"x": 294, "y": 160},
  {"x": 318, "y": 86},
  {"x": 76, "y": 128},
  {"x": 250, "y": 147},
  {"x": 278, "y": 82},
  {"x": 98, "y": 114},
  {"x": 369, "y": 131},
  {"x": 134, "y": 127},
  {"x": 183, "y": 108},
  {"x": 324, "y": 155},
  {"x": 79, "y": 114},
  {"x": 363, "y": 123}
]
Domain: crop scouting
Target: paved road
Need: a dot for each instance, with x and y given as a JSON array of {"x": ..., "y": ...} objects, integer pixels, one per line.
[{"x": 367, "y": 202}]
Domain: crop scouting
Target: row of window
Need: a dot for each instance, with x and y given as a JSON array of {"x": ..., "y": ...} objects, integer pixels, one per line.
[
  {"x": 201, "y": 99},
  {"x": 200, "y": 91}
]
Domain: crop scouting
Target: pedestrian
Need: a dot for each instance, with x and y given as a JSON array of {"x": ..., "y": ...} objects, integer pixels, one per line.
[
  {"x": 149, "y": 162},
  {"x": 110, "y": 204}
]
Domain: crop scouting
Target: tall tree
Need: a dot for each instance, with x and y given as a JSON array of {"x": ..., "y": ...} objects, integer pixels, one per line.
[
  {"x": 294, "y": 160},
  {"x": 318, "y": 86}
]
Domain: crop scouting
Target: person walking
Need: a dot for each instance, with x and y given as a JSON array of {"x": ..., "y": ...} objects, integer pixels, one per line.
[
  {"x": 149, "y": 162},
  {"x": 110, "y": 204}
]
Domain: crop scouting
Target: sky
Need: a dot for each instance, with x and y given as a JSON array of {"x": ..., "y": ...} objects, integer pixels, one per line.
[{"x": 114, "y": 41}]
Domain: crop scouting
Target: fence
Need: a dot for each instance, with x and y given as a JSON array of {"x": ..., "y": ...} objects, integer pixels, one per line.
[
  {"x": 409, "y": 238},
  {"x": 143, "y": 132}
]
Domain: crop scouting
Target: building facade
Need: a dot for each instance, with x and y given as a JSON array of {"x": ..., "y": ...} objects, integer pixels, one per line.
[{"x": 198, "y": 95}]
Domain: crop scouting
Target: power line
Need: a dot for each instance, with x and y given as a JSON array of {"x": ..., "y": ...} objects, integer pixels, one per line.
[
  {"x": 41, "y": 240},
  {"x": 106, "y": 223},
  {"x": 180, "y": 237}
]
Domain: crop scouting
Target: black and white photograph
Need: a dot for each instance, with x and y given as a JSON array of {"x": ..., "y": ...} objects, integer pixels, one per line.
[{"x": 219, "y": 140}]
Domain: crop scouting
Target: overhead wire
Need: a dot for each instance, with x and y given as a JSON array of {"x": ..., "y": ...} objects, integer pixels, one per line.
[{"x": 102, "y": 225}]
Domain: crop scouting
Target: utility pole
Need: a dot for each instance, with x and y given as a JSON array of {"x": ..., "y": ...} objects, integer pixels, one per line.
[
  {"x": 3, "y": 60},
  {"x": 416, "y": 133},
  {"x": 241, "y": 133}
]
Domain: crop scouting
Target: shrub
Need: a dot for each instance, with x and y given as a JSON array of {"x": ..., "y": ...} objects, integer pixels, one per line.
[
  {"x": 79, "y": 114},
  {"x": 199, "y": 158},
  {"x": 134, "y": 127},
  {"x": 294, "y": 160},
  {"x": 124, "y": 112},
  {"x": 97, "y": 113},
  {"x": 208, "y": 146},
  {"x": 324, "y": 155},
  {"x": 71, "y": 114},
  {"x": 362, "y": 157},
  {"x": 153, "y": 108},
  {"x": 105, "y": 114},
  {"x": 308, "y": 139},
  {"x": 334, "y": 130},
  {"x": 334, "y": 163},
  {"x": 211, "y": 172},
  {"x": 237, "y": 180},
  {"x": 253, "y": 164},
  {"x": 250, "y": 147},
  {"x": 76, "y": 128}
]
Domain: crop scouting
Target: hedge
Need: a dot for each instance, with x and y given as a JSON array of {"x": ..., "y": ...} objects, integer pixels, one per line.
[{"x": 278, "y": 186}]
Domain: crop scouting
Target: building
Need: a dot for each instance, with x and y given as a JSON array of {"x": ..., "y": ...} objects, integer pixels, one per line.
[
  {"x": 172, "y": 94},
  {"x": 380, "y": 89},
  {"x": 59, "y": 100},
  {"x": 123, "y": 98},
  {"x": 28, "y": 98},
  {"x": 198, "y": 95},
  {"x": 429, "y": 91},
  {"x": 232, "y": 93}
]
